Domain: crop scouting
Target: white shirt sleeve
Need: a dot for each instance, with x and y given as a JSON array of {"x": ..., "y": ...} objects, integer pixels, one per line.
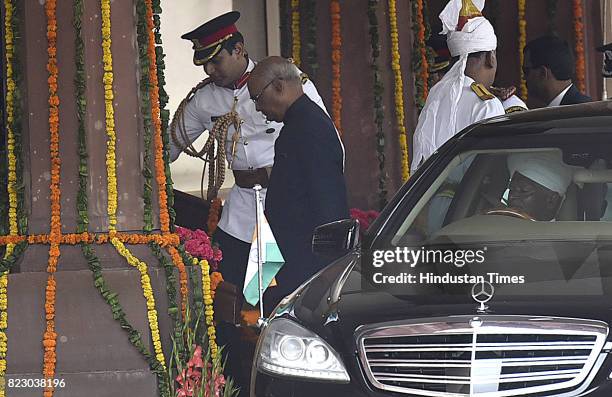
[
  {"x": 196, "y": 121},
  {"x": 490, "y": 108},
  {"x": 514, "y": 101}
]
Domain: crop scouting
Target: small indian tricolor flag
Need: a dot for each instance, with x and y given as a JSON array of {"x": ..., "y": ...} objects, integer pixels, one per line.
[{"x": 272, "y": 262}]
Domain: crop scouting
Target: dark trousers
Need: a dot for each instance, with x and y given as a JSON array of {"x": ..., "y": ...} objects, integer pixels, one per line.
[{"x": 233, "y": 268}]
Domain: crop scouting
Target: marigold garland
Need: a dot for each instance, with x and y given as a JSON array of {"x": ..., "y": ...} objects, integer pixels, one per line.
[
  {"x": 111, "y": 137},
  {"x": 16, "y": 243},
  {"x": 112, "y": 184},
  {"x": 296, "y": 48},
  {"x": 522, "y": 22},
  {"x": 135, "y": 338},
  {"x": 147, "y": 291},
  {"x": 10, "y": 118},
  {"x": 92, "y": 238},
  {"x": 164, "y": 113},
  {"x": 208, "y": 310},
  {"x": 421, "y": 63},
  {"x": 171, "y": 292},
  {"x": 85, "y": 239},
  {"x": 579, "y": 38},
  {"x": 160, "y": 175},
  {"x": 336, "y": 56},
  {"x": 180, "y": 265},
  {"x": 399, "y": 89},
  {"x": 50, "y": 336}
]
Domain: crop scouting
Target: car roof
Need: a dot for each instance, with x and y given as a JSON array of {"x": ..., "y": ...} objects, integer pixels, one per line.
[{"x": 593, "y": 117}]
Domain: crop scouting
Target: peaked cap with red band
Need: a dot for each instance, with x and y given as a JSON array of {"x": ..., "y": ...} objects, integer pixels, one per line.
[
  {"x": 437, "y": 42},
  {"x": 208, "y": 39}
]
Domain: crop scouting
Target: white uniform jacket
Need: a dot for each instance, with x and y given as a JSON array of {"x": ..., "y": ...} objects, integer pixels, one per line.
[
  {"x": 471, "y": 109},
  {"x": 255, "y": 148}
]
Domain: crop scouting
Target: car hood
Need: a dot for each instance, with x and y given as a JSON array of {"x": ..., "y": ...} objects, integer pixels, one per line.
[{"x": 334, "y": 304}]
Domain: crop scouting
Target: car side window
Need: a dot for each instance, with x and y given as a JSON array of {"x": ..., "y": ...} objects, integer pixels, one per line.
[
  {"x": 435, "y": 208},
  {"x": 476, "y": 192}
]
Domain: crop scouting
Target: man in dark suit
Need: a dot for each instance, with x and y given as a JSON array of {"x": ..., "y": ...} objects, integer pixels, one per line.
[
  {"x": 548, "y": 70},
  {"x": 307, "y": 186}
]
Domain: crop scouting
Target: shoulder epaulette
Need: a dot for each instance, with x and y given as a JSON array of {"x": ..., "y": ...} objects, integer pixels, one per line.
[
  {"x": 304, "y": 77},
  {"x": 513, "y": 109},
  {"x": 482, "y": 92},
  {"x": 178, "y": 115},
  {"x": 195, "y": 89}
]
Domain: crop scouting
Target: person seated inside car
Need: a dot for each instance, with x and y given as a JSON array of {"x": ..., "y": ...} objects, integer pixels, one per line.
[{"x": 537, "y": 187}]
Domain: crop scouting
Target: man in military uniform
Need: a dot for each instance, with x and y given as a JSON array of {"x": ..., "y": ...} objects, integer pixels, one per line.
[
  {"x": 443, "y": 63},
  {"x": 462, "y": 97},
  {"x": 249, "y": 146}
]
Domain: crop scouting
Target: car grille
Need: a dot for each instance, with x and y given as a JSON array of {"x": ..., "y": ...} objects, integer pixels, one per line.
[{"x": 490, "y": 356}]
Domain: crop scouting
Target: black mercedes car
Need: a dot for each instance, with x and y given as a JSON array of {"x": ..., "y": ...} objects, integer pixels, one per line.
[{"x": 451, "y": 292}]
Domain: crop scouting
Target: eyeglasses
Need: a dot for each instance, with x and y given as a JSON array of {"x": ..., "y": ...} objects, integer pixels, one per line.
[{"x": 256, "y": 97}]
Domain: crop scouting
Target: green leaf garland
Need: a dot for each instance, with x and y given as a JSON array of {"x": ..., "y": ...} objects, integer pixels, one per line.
[
  {"x": 309, "y": 18},
  {"x": 142, "y": 40},
  {"x": 378, "y": 91},
  {"x": 164, "y": 113}
]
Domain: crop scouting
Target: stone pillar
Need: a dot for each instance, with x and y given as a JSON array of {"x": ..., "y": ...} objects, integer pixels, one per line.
[{"x": 94, "y": 356}]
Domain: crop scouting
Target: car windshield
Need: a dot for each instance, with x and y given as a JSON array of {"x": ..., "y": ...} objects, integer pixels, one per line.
[{"x": 542, "y": 213}]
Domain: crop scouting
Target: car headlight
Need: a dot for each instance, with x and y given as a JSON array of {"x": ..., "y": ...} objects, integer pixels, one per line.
[{"x": 286, "y": 348}]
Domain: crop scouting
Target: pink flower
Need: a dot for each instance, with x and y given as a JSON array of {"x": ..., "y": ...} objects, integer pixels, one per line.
[
  {"x": 217, "y": 385},
  {"x": 196, "y": 360},
  {"x": 198, "y": 244},
  {"x": 184, "y": 233},
  {"x": 187, "y": 385},
  {"x": 365, "y": 218},
  {"x": 190, "y": 379}
]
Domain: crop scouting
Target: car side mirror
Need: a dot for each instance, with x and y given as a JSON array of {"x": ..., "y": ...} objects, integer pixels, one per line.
[{"x": 332, "y": 240}]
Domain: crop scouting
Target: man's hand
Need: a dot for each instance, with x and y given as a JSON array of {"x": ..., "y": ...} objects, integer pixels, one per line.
[{"x": 503, "y": 93}]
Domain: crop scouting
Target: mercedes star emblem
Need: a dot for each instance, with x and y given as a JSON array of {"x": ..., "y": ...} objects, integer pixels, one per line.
[{"x": 482, "y": 293}]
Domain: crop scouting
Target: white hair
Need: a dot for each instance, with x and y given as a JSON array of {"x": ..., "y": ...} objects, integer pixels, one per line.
[{"x": 283, "y": 70}]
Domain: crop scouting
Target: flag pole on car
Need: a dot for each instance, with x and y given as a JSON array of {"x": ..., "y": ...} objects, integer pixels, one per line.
[{"x": 258, "y": 216}]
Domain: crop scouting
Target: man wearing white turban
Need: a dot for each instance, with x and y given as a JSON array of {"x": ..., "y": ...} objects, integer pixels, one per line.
[
  {"x": 538, "y": 185},
  {"x": 462, "y": 97}
]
